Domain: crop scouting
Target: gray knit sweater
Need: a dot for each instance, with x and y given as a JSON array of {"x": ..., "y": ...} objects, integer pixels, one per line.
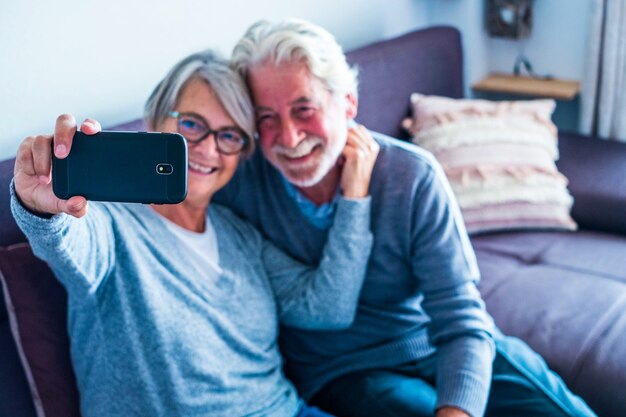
[{"x": 150, "y": 338}]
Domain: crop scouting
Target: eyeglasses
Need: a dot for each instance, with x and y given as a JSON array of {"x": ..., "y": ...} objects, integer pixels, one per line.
[{"x": 195, "y": 129}]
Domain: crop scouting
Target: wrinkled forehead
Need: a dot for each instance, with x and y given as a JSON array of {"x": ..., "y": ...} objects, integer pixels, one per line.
[{"x": 284, "y": 83}]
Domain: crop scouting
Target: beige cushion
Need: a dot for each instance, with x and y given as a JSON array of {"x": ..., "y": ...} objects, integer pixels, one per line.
[{"x": 499, "y": 158}]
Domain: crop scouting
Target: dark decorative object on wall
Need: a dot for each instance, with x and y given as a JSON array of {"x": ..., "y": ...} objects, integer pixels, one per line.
[{"x": 509, "y": 18}]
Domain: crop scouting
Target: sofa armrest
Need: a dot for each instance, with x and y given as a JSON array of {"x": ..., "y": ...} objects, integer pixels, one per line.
[{"x": 596, "y": 170}]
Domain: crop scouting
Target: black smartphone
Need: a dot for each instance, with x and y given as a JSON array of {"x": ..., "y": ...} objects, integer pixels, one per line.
[{"x": 135, "y": 167}]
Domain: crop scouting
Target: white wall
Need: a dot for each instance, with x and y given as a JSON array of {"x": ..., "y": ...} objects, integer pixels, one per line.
[
  {"x": 557, "y": 44},
  {"x": 400, "y": 16},
  {"x": 102, "y": 58},
  {"x": 468, "y": 17}
]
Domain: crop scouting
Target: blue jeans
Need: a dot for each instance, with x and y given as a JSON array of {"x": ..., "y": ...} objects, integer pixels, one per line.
[{"x": 521, "y": 386}]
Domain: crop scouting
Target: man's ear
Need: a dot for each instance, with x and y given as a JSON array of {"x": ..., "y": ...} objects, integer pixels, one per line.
[{"x": 352, "y": 104}]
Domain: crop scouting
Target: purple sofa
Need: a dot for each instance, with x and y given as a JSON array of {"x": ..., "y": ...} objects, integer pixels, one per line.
[{"x": 564, "y": 293}]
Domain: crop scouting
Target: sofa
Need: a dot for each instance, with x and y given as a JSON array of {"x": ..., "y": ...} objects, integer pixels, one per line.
[{"x": 564, "y": 293}]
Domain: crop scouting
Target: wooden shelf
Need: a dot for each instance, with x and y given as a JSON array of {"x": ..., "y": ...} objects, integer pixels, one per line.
[{"x": 527, "y": 86}]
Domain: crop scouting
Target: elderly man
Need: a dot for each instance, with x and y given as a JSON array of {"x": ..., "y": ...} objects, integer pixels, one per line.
[{"x": 421, "y": 343}]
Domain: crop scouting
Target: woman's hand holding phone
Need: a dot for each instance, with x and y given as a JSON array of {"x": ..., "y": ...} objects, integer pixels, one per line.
[{"x": 33, "y": 167}]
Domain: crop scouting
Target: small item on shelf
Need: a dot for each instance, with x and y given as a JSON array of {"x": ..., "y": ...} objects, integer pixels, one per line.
[{"x": 523, "y": 63}]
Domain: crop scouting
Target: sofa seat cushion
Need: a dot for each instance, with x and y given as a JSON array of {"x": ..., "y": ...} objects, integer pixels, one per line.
[{"x": 565, "y": 295}]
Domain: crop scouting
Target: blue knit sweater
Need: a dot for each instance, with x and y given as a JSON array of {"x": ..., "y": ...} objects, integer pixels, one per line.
[
  {"x": 151, "y": 337},
  {"x": 419, "y": 295}
]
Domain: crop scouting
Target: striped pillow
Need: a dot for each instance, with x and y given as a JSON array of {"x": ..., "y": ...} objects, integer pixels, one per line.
[{"x": 499, "y": 158}]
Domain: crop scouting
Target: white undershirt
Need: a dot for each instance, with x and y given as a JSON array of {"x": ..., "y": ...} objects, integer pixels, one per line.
[{"x": 201, "y": 247}]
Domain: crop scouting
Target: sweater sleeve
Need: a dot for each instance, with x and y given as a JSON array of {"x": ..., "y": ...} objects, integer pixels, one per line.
[
  {"x": 326, "y": 297},
  {"x": 445, "y": 266},
  {"x": 79, "y": 251}
]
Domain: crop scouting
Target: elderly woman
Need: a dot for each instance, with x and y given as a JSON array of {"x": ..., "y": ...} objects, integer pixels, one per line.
[{"x": 174, "y": 309}]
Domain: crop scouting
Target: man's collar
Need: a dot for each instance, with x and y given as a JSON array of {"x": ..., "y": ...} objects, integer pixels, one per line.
[{"x": 320, "y": 216}]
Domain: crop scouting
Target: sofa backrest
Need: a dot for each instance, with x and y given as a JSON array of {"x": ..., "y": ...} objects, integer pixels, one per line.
[{"x": 428, "y": 61}]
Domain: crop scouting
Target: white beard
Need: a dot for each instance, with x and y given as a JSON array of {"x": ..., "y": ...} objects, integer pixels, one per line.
[{"x": 317, "y": 168}]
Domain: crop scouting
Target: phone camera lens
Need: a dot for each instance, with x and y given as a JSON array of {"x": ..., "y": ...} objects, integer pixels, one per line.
[{"x": 164, "y": 169}]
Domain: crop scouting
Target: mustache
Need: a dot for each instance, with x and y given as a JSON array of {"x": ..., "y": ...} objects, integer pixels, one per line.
[{"x": 303, "y": 148}]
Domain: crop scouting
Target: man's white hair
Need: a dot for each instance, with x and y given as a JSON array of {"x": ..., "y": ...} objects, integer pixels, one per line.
[{"x": 296, "y": 40}]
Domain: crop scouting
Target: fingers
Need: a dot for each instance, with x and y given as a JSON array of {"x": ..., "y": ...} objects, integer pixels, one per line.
[
  {"x": 42, "y": 157},
  {"x": 360, "y": 154},
  {"x": 63, "y": 133},
  {"x": 24, "y": 157},
  {"x": 34, "y": 157},
  {"x": 76, "y": 206},
  {"x": 360, "y": 139},
  {"x": 33, "y": 168},
  {"x": 90, "y": 126},
  {"x": 65, "y": 129}
]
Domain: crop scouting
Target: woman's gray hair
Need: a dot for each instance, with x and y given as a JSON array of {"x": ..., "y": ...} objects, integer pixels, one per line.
[
  {"x": 227, "y": 85},
  {"x": 295, "y": 40}
]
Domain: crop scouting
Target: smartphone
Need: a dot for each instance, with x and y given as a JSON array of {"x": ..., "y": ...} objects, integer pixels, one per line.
[{"x": 135, "y": 167}]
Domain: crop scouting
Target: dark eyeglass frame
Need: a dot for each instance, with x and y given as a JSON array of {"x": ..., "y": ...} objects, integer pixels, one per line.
[{"x": 216, "y": 133}]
